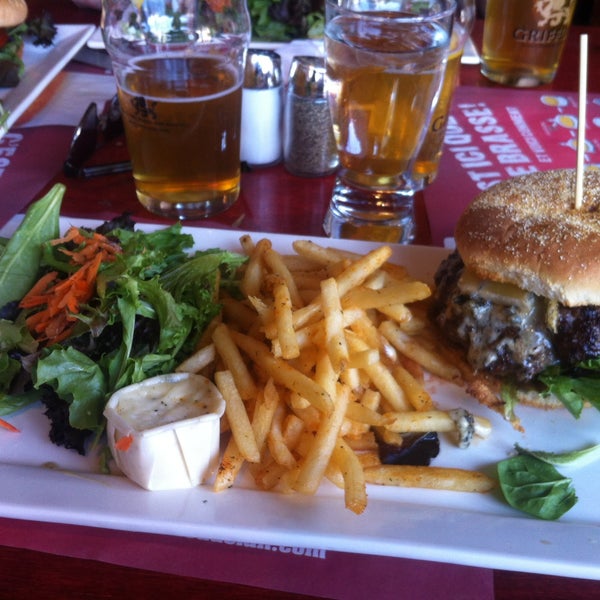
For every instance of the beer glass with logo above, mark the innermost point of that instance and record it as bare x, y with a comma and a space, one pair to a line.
426, 166
523, 40
385, 63
179, 72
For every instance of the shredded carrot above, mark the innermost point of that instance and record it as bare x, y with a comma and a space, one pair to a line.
124, 443
8, 426
59, 300
41, 286
70, 236
88, 245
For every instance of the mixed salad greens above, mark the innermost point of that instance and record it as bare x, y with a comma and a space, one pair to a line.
95, 310
284, 20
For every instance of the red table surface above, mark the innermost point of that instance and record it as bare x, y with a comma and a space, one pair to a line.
32, 574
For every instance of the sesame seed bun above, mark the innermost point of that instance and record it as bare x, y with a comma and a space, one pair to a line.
527, 231
12, 12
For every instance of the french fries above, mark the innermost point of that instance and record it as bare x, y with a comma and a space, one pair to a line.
237, 417
324, 354
437, 478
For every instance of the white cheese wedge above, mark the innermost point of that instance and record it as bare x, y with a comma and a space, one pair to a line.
164, 432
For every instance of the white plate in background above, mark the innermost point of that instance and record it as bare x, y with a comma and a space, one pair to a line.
41, 67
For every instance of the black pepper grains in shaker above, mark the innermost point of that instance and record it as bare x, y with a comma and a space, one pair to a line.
309, 146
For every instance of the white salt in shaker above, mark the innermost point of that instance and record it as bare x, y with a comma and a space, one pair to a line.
261, 108
309, 148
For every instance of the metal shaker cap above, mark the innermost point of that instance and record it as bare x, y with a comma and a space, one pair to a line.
262, 70
307, 76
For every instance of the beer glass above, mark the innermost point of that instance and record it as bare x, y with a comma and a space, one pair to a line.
426, 166
523, 40
179, 72
385, 63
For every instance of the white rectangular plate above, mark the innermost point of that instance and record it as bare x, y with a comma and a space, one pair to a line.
43, 482
41, 67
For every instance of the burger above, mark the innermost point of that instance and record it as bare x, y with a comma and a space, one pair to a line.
12, 28
520, 296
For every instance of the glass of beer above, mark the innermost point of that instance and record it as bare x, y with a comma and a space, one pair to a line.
179, 73
385, 62
523, 40
426, 166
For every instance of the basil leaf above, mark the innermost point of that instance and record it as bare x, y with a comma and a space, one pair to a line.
19, 263
562, 458
535, 487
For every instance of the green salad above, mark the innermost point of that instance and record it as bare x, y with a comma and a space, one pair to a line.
90, 312
284, 20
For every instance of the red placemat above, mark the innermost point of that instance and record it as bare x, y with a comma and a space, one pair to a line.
300, 570
29, 158
497, 133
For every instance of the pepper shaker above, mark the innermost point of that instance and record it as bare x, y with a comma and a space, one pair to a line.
309, 147
260, 143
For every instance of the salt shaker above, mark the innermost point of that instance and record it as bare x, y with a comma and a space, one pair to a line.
309, 148
261, 108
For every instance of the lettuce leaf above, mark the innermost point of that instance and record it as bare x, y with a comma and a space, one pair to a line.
147, 255
79, 381
574, 389
20, 260
9, 368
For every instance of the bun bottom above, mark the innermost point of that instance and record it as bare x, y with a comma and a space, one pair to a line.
487, 391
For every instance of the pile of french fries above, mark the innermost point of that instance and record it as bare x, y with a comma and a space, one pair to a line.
325, 353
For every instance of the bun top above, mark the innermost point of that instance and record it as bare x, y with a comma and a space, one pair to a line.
12, 12
526, 231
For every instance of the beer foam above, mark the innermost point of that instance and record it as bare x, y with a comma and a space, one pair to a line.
220, 70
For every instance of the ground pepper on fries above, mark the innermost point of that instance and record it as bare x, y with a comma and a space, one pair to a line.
326, 351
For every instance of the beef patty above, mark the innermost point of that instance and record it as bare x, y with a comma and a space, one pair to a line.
512, 335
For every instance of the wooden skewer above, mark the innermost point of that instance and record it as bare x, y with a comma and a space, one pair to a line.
583, 60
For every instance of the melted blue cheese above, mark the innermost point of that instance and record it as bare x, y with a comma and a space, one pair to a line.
503, 320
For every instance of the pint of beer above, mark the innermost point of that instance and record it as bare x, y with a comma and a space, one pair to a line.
523, 40
385, 66
179, 78
426, 166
